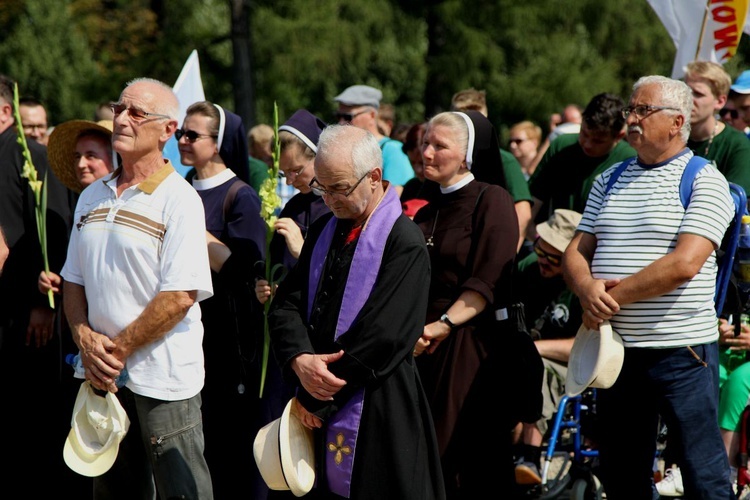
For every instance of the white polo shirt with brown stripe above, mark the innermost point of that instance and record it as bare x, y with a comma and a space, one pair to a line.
124, 251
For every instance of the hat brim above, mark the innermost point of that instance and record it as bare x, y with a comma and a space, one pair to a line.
595, 359
92, 458
284, 453
61, 149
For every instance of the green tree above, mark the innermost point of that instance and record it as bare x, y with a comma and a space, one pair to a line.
305, 56
49, 58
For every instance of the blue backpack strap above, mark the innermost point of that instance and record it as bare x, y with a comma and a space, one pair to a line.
694, 166
616, 174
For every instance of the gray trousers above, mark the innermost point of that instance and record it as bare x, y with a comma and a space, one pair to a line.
162, 451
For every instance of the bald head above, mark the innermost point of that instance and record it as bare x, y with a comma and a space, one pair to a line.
572, 114
160, 96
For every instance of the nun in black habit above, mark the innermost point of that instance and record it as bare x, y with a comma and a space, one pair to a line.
473, 351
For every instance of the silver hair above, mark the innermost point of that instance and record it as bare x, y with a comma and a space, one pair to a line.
169, 106
365, 154
675, 94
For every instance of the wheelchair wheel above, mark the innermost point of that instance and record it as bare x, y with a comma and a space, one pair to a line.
583, 489
559, 477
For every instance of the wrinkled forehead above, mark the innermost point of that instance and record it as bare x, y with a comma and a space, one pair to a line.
646, 94
141, 94
333, 168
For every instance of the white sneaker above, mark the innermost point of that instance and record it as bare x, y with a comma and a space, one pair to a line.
671, 485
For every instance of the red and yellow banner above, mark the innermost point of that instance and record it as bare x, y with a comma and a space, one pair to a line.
706, 30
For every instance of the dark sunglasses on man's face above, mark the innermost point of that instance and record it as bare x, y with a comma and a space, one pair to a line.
733, 113
347, 117
554, 260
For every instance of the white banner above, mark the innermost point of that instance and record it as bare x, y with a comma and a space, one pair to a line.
189, 90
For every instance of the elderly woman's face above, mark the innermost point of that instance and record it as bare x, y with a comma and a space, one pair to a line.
443, 157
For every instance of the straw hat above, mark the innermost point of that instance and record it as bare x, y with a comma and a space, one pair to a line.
61, 148
98, 426
560, 228
284, 453
595, 359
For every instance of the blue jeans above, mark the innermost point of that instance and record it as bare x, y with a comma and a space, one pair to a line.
162, 451
681, 385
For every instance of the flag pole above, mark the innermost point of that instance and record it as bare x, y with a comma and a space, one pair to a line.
703, 30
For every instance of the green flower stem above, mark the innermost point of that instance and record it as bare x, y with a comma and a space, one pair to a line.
38, 187
270, 202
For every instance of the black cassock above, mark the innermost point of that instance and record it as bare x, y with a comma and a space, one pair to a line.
396, 455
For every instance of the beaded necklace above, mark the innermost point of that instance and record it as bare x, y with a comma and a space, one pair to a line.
711, 140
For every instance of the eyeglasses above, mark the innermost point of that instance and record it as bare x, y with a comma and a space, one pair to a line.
347, 117
554, 260
320, 191
190, 135
643, 110
292, 173
516, 141
733, 113
134, 113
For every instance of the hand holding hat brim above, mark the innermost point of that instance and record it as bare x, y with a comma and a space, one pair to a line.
595, 359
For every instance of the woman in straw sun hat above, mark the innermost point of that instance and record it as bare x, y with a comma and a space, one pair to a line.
79, 152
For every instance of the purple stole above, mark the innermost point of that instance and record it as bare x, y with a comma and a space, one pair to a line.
342, 429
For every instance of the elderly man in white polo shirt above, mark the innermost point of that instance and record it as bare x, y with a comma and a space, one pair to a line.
137, 267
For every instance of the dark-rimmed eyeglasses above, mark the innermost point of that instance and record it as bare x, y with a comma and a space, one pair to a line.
641, 111
293, 174
190, 135
348, 117
554, 260
733, 113
516, 141
320, 190
134, 113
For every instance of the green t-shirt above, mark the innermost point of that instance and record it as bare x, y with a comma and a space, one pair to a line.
564, 176
515, 182
258, 171
730, 152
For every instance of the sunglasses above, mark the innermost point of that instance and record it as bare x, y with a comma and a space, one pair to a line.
554, 260
190, 135
733, 113
347, 117
516, 141
134, 113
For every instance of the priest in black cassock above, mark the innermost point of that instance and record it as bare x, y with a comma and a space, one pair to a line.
343, 328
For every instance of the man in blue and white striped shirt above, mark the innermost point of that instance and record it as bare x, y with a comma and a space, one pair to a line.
646, 263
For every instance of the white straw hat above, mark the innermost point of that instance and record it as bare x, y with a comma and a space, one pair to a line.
285, 455
98, 426
595, 359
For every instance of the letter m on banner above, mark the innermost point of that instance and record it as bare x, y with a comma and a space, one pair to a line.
702, 30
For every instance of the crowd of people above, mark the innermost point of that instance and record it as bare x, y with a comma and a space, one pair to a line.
423, 271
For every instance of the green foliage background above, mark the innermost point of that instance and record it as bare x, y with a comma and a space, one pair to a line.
531, 57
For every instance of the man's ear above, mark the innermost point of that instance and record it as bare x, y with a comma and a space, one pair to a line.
169, 130
376, 175
679, 121
6, 114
